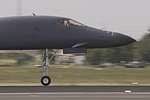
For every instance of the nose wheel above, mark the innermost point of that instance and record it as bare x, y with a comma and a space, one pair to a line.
46, 80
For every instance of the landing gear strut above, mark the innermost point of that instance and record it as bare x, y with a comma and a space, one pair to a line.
46, 80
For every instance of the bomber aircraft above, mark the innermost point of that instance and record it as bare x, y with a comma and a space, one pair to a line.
50, 32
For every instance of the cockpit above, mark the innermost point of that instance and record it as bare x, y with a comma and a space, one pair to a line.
70, 22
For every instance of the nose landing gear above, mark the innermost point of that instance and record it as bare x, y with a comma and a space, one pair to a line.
46, 80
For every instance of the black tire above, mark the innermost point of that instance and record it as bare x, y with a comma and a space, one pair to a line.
45, 80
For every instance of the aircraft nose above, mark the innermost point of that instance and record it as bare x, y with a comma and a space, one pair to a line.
120, 39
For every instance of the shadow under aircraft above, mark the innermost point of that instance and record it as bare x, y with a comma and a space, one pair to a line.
49, 32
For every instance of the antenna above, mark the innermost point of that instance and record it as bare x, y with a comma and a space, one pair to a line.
34, 14
19, 7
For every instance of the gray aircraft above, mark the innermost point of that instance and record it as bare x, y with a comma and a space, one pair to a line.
49, 32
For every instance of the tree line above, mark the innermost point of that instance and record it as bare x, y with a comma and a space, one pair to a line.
138, 51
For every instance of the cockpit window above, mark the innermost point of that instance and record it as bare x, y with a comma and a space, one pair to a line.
64, 22
72, 22
69, 22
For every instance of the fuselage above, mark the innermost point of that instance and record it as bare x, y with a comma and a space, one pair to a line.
41, 32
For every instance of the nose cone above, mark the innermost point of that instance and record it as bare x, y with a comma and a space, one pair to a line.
120, 39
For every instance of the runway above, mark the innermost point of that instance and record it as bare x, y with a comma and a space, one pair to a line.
75, 93
75, 96
40, 89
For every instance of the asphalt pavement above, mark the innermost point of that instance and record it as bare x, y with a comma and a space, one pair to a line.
30, 89
76, 96
75, 93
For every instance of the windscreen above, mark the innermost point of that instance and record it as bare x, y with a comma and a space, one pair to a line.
70, 22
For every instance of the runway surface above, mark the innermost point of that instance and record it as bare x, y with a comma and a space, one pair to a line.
30, 89
75, 93
75, 96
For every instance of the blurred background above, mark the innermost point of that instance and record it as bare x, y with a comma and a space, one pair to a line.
127, 65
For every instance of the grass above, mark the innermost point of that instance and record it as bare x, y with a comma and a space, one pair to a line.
75, 75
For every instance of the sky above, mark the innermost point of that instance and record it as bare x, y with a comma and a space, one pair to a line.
130, 17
